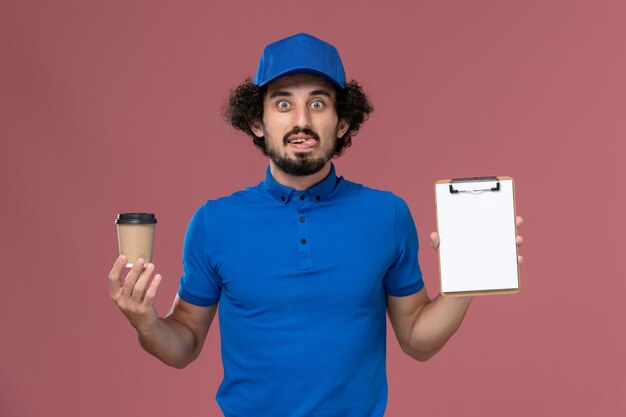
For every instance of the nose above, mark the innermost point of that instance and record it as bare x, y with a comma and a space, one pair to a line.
302, 117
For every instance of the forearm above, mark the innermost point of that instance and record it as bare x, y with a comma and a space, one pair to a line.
169, 341
436, 322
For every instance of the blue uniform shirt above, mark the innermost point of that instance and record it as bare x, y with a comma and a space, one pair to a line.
301, 278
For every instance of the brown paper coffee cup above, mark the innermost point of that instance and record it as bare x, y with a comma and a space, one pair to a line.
135, 236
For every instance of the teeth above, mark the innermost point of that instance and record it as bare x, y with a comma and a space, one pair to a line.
297, 140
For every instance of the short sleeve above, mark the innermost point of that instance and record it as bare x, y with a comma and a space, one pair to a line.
199, 284
404, 276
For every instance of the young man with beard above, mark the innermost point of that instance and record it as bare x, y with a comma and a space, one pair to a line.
303, 265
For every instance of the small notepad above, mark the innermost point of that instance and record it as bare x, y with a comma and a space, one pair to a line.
476, 226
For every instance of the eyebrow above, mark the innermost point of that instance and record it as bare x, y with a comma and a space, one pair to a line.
281, 93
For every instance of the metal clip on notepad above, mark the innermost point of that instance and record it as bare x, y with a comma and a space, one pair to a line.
474, 179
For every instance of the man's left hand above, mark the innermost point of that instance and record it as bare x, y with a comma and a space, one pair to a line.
434, 239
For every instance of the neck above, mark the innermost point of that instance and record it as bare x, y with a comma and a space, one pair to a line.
298, 183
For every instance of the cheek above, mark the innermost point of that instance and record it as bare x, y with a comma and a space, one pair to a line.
328, 128
277, 123
274, 134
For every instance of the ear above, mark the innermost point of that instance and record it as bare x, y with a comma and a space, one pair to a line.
342, 128
257, 128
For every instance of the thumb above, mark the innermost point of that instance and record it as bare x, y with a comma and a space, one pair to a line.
434, 240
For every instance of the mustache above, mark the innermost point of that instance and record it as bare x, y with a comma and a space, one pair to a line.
297, 130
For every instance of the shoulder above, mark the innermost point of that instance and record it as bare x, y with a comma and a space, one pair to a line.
233, 200
376, 196
220, 207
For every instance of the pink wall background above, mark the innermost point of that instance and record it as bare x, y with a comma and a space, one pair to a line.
114, 106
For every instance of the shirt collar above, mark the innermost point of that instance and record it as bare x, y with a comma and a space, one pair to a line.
319, 191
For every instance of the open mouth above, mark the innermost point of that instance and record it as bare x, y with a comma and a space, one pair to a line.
305, 142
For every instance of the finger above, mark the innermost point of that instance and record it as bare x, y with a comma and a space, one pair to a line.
152, 290
519, 240
140, 286
520, 259
115, 282
518, 220
131, 277
434, 240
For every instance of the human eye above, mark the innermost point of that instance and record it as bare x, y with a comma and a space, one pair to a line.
283, 104
318, 104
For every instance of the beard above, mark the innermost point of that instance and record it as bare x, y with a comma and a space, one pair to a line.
302, 164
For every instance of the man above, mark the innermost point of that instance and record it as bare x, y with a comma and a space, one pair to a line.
303, 265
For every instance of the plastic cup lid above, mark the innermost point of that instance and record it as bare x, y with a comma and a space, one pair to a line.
135, 218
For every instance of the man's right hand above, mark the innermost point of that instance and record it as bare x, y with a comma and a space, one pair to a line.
134, 297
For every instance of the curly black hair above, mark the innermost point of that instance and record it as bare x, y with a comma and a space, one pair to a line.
245, 106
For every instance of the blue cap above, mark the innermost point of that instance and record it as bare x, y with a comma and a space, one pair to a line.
300, 53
